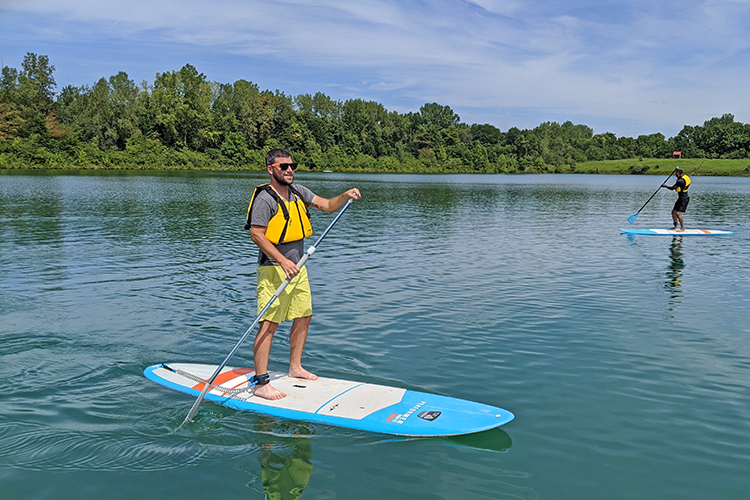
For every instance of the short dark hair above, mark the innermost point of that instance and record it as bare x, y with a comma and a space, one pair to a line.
276, 153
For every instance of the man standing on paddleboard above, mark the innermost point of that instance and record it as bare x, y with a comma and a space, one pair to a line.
279, 222
681, 186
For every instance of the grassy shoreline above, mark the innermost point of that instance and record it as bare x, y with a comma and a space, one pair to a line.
633, 166
657, 166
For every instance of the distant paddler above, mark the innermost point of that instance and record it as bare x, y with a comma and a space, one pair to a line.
279, 222
681, 186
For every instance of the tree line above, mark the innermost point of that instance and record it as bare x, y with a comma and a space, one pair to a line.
183, 120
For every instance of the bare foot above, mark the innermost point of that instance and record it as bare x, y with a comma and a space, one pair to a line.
268, 392
681, 230
302, 373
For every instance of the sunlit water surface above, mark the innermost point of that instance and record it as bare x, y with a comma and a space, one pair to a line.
625, 359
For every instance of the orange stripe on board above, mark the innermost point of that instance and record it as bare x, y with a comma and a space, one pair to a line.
705, 231
223, 377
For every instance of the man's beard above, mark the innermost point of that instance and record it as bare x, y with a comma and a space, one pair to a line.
279, 176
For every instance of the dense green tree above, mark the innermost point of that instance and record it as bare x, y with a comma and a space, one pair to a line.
185, 121
107, 114
272, 114
725, 119
181, 101
235, 109
364, 121
396, 134
36, 84
480, 161
487, 134
438, 116
9, 86
652, 146
322, 116
11, 123
28, 95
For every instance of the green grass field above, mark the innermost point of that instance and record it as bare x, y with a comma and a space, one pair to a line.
655, 166
198, 161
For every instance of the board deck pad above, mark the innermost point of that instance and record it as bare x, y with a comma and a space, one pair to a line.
672, 232
342, 403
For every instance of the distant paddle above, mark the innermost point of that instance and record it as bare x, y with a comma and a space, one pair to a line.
632, 218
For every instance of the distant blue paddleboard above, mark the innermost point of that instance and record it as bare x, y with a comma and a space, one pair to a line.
672, 232
354, 405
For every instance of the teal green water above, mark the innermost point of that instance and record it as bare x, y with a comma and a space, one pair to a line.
625, 359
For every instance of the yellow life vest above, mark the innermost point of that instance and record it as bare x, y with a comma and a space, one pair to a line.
291, 222
687, 184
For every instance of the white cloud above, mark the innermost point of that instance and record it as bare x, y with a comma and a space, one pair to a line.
638, 61
501, 7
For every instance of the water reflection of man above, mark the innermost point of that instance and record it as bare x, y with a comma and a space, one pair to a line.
285, 475
676, 266
681, 186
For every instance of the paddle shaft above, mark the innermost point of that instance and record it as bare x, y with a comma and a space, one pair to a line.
652, 196
276, 295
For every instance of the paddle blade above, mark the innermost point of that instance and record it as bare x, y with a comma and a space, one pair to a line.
632, 218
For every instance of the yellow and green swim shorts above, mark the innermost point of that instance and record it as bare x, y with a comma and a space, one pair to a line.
294, 302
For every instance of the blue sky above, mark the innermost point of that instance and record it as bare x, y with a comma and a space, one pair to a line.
627, 67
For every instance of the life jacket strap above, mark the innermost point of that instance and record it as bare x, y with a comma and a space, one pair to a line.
267, 188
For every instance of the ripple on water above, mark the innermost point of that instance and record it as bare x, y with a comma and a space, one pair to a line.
624, 359
38, 446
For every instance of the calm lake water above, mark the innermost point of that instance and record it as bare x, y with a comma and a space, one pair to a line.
626, 360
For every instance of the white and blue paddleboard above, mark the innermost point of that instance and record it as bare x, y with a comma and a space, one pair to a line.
354, 405
672, 232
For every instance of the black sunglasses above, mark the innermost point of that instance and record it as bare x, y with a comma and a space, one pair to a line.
284, 166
